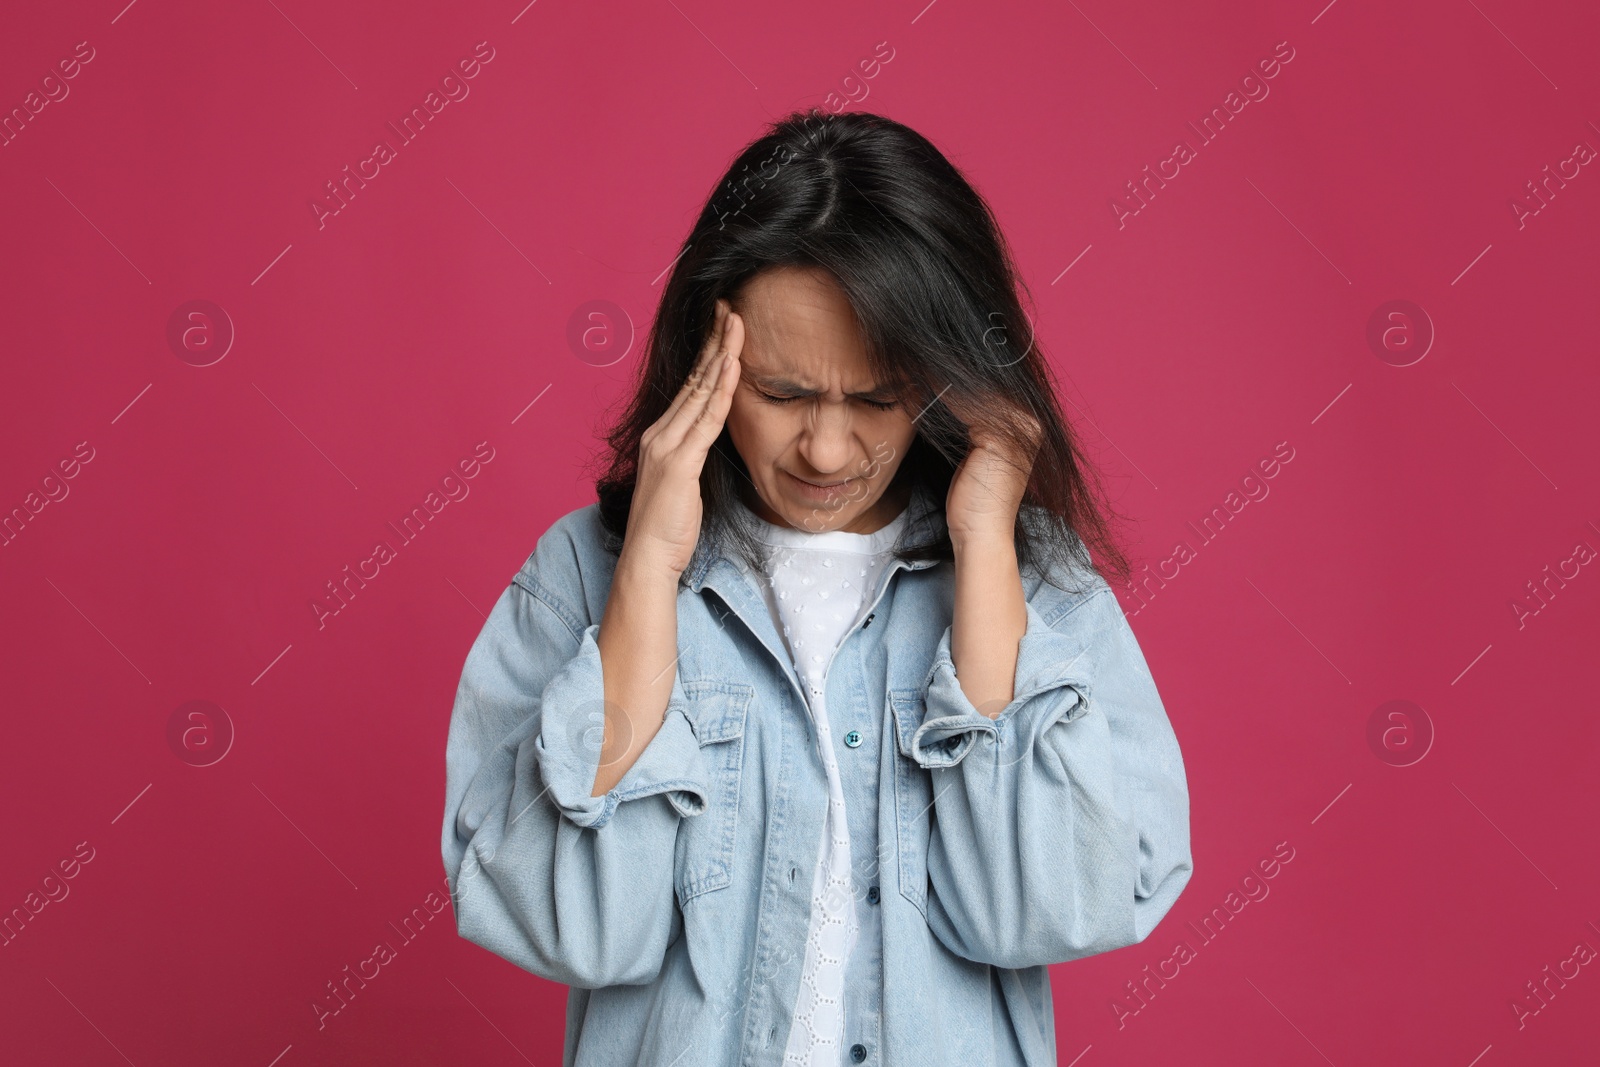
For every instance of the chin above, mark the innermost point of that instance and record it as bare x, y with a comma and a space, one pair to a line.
818, 520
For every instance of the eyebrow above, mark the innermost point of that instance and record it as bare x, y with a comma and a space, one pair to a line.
779, 384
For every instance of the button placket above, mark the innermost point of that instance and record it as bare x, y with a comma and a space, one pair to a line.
818, 601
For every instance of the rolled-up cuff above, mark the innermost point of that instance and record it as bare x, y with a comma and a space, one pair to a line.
571, 732
1051, 684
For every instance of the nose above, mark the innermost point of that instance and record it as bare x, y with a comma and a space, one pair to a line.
825, 441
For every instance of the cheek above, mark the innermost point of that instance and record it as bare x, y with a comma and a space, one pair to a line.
890, 441
741, 415
753, 431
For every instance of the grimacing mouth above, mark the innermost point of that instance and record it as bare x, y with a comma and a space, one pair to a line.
820, 485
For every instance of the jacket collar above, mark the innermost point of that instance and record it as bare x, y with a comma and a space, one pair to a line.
714, 563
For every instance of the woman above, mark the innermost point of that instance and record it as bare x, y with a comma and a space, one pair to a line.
819, 736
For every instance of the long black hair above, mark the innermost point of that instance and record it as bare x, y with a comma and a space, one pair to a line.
931, 280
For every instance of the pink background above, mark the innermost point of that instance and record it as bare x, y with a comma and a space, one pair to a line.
373, 354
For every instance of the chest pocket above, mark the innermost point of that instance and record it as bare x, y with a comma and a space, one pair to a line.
717, 711
913, 799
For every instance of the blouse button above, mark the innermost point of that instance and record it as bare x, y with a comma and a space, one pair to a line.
853, 738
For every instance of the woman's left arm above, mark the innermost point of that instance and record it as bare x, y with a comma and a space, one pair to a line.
1061, 821
1061, 808
990, 618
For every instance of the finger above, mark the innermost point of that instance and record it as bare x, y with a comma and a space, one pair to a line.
720, 400
704, 365
715, 412
697, 394
687, 414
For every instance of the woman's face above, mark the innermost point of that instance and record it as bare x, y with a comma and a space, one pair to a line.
823, 459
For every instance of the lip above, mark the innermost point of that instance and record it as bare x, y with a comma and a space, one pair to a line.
815, 491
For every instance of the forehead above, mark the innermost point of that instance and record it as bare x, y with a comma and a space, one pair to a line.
800, 326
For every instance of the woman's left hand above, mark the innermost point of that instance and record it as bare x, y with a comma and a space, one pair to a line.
988, 486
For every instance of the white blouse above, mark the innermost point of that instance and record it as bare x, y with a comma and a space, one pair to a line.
818, 585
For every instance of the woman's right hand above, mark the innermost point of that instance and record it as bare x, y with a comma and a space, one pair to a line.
664, 519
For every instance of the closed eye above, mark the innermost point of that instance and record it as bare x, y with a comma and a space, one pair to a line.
881, 405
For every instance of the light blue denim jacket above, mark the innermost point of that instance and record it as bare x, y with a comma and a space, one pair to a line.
676, 905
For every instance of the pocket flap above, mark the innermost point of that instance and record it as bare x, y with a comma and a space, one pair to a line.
716, 709
909, 711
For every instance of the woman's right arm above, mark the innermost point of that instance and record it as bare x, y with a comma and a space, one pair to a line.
572, 887
638, 641
569, 883
639, 634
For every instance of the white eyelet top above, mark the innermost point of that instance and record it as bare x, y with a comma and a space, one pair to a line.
818, 586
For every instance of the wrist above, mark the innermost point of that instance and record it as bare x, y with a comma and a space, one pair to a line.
987, 544
643, 567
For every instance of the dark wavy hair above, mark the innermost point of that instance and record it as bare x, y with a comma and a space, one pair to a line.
923, 263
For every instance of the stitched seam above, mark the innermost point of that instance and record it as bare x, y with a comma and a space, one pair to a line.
1073, 605
544, 595
725, 790
686, 785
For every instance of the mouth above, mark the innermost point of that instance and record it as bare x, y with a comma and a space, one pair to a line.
817, 488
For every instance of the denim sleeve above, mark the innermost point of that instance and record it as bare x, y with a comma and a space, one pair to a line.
1061, 827
574, 888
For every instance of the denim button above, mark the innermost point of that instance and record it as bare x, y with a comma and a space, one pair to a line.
858, 1052
872, 895
853, 738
